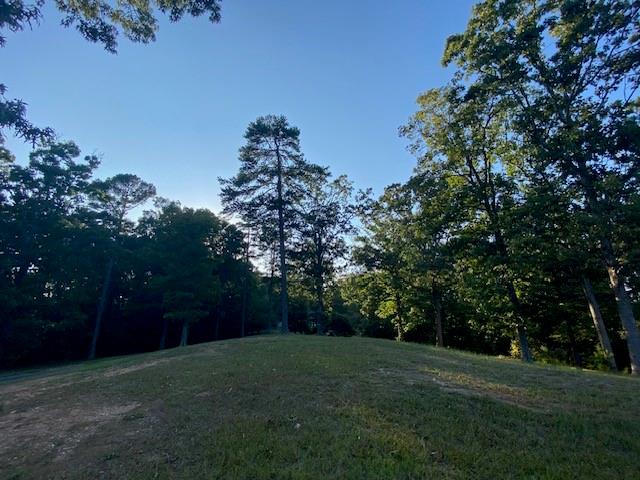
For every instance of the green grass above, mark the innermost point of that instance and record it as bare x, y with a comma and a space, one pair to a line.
301, 407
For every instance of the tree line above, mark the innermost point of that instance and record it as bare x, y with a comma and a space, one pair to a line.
517, 233
80, 278
523, 211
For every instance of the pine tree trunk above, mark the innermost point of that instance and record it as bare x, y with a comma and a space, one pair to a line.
437, 306
284, 307
598, 322
102, 305
243, 309
270, 285
245, 285
318, 273
184, 338
165, 331
284, 313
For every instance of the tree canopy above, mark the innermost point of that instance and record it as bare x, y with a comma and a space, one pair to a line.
103, 21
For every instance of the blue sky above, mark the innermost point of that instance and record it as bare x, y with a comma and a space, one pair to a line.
173, 112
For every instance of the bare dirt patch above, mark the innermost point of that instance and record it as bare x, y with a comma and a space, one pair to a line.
55, 432
12, 395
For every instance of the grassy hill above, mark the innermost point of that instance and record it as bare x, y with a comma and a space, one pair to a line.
303, 407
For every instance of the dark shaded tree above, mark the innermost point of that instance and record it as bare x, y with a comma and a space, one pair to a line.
45, 233
113, 199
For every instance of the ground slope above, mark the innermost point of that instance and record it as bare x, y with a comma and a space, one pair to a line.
307, 407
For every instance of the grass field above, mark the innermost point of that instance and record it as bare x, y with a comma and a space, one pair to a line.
301, 407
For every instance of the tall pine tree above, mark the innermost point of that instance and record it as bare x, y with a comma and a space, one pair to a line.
268, 185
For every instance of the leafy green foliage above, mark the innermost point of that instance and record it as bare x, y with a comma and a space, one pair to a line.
527, 178
102, 21
326, 212
568, 75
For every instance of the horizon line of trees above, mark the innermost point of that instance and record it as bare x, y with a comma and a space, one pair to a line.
79, 278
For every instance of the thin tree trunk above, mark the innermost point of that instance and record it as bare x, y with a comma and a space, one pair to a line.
521, 330
598, 322
102, 305
245, 287
437, 307
399, 336
272, 274
284, 313
625, 310
321, 315
489, 204
243, 308
319, 282
400, 314
307, 316
284, 307
165, 331
184, 338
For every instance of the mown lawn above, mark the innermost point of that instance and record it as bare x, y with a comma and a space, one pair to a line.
302, 407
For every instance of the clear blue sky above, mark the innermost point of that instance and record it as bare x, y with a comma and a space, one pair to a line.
345, 72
